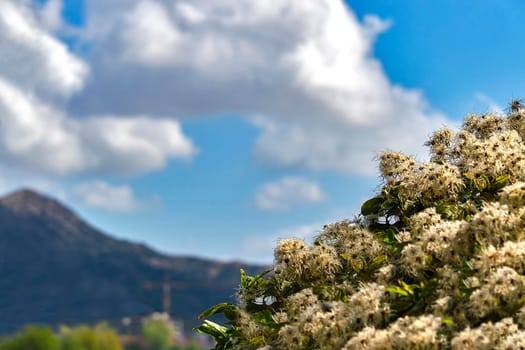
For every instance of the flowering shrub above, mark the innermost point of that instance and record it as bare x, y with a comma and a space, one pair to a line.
435, 261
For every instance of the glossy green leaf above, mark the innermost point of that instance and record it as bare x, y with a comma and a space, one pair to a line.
377, 262
388, 236
218, 332
408, 288
447, 321
265, 318
257, 340
372, 206
500, 182
229, 310
397, 290
248, 282
469, 176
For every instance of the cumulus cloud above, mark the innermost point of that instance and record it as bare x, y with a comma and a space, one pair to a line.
32, 57
287, 193
51, 15
304, 72
134, 144
100, 194
321, 145
37, 136
37, 75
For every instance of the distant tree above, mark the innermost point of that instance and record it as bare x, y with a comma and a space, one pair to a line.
32, 338
100, 337
158, 331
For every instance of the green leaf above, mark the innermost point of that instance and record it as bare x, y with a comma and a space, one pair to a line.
428, 287
397, 290
265, 318
245, 279
500, 182
447, 211
216, 331
377, 262
408, 288
390, 205
447, 321
484, 182
229, 310
388, 236
257, 340
248, 282
372, 206
469, 176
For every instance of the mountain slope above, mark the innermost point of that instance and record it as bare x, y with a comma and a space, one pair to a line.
55, 268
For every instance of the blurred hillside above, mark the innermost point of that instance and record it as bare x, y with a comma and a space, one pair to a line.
56, 268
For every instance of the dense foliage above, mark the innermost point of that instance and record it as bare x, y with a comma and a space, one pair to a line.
100, 337
157, 334
435, 261
34, 338
158, 331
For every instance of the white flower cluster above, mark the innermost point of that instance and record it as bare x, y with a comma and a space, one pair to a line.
405, 333
296, 261
437, 261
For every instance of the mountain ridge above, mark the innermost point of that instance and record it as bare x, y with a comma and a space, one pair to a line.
57, 267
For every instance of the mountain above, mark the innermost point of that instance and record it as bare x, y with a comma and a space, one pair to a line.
56, 268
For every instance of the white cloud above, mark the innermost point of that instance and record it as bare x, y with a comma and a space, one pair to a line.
134, 144
151, 37
287, 193
51, 15
38, 74
323, 145
374, 25
100, 194
303, 70
37, 136
189, 12
189, 35
32, 57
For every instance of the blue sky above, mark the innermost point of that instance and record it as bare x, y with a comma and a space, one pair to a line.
216, 128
